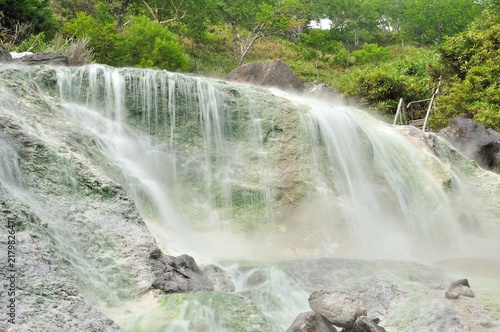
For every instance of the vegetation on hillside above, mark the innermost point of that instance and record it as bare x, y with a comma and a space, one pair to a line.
375, 51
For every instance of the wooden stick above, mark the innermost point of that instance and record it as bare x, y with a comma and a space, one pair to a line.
430, 106
39, 255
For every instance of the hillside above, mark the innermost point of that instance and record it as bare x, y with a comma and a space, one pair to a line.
374, 52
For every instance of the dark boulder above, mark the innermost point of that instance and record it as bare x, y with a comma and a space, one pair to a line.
177, 274
270, 73
474, 141
43, 59
311, 322
365, 324
5, 55
457, 288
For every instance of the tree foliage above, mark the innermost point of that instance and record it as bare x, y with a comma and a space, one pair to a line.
147, 43
471, 63
142, 42
367, 45
102, 36
371, 53
428, 22
38, 14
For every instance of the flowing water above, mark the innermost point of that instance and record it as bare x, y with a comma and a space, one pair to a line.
228, 173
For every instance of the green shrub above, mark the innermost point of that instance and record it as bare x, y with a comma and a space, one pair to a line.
102, 36
35, 43
409, 75
381, 89
371, 53
471, 63
147, 43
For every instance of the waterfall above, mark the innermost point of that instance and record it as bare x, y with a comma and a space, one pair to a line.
213, 151
224, 172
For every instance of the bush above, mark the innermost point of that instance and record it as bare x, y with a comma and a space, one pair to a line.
147, 43
371, 53
472, 66
102, 36
409, 75
382, 90
35, 43
38, 14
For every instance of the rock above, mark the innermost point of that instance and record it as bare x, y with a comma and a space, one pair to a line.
5, 55
457, 288
451, 295
43, 59
320, 89
177, 274
187, 262
461, 282
474, 141
270, 73
339, 308
255, 278
219, 278
465, 291
436, 286
311, 322
365, 324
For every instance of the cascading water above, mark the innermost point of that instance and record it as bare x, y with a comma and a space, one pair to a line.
210, 152
227, 172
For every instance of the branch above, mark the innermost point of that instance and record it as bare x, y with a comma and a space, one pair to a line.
39, 254
150, 10
154, 13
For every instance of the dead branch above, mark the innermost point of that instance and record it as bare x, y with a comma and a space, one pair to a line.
39, 251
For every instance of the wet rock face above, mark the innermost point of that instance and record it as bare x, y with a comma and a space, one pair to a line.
270, 73
475, 142
79, 238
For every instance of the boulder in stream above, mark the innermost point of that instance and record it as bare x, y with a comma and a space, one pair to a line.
457, 288
311, 322
365, 324
177, 274
219, 278
340, 308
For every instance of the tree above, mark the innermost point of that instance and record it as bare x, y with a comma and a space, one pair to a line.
253, 19
471, 62
68, 9
429, 21
354, 22
146, 43
38, 14
242, 16
190, 16
103, 36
